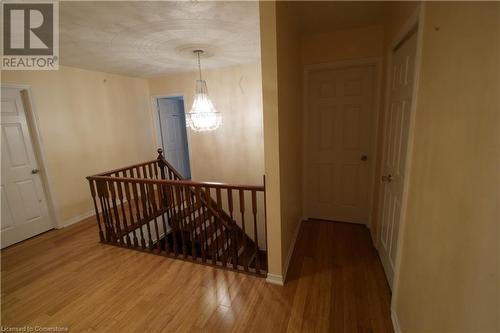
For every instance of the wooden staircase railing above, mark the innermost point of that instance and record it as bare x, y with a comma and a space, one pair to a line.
150, 207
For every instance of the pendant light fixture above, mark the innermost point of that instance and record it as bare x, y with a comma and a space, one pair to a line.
203, 116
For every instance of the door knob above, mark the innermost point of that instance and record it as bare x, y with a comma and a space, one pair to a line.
364, 158
35, 171
387, 179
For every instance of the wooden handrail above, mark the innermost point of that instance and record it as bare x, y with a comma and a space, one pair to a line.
124, 168
259, 188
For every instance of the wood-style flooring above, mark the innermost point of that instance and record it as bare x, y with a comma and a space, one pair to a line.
66, 278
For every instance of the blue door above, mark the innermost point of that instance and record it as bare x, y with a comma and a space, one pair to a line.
173, 132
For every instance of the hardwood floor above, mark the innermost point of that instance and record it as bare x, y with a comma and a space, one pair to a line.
66, 278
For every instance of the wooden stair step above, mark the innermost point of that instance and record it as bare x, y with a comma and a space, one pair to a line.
185, 211
209, 231
204, 226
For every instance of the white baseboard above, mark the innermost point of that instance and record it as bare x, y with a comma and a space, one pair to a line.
275, 279
290, 250
395, 322
76, 219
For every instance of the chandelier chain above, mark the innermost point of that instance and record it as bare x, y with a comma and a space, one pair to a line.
199, 63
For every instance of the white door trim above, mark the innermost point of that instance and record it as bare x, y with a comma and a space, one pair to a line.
377, 62
38, 147
415, 20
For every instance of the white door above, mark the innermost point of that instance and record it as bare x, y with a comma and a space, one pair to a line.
338, 143
24, 205
173, 133
397, 123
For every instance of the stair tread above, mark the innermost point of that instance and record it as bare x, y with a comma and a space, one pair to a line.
192, 219
183, 212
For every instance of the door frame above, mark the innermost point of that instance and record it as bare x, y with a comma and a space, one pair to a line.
415, 21
33, 122
377, 63
156, 121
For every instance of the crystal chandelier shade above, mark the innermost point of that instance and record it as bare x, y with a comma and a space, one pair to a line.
203, 116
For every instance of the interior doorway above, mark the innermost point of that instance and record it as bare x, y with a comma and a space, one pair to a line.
340, 134
172, 133
25, 206
397, 128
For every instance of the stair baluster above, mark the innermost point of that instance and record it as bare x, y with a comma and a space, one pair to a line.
150, 207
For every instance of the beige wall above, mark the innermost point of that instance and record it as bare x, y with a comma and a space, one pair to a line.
235, 152
290, 125
399, 13
281, 67
329, 47
449, 279
267, 10
89, 122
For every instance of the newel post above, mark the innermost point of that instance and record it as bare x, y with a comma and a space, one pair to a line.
160, 155
163, 175
161, 163
93, 193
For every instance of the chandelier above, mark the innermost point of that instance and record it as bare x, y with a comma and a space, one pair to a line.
203, 116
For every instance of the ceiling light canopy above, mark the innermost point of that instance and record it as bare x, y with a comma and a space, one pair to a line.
203, 116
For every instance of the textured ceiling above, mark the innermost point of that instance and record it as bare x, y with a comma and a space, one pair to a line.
150, 38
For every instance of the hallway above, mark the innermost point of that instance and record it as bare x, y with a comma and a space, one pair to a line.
66, 278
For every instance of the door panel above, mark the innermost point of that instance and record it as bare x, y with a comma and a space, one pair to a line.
15, 145
24, 205
351, 132
27, 192
325, 187
7, 220
349, 187
338, 133
396, 145
173, 133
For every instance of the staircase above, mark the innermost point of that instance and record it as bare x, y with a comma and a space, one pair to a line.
150, 207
